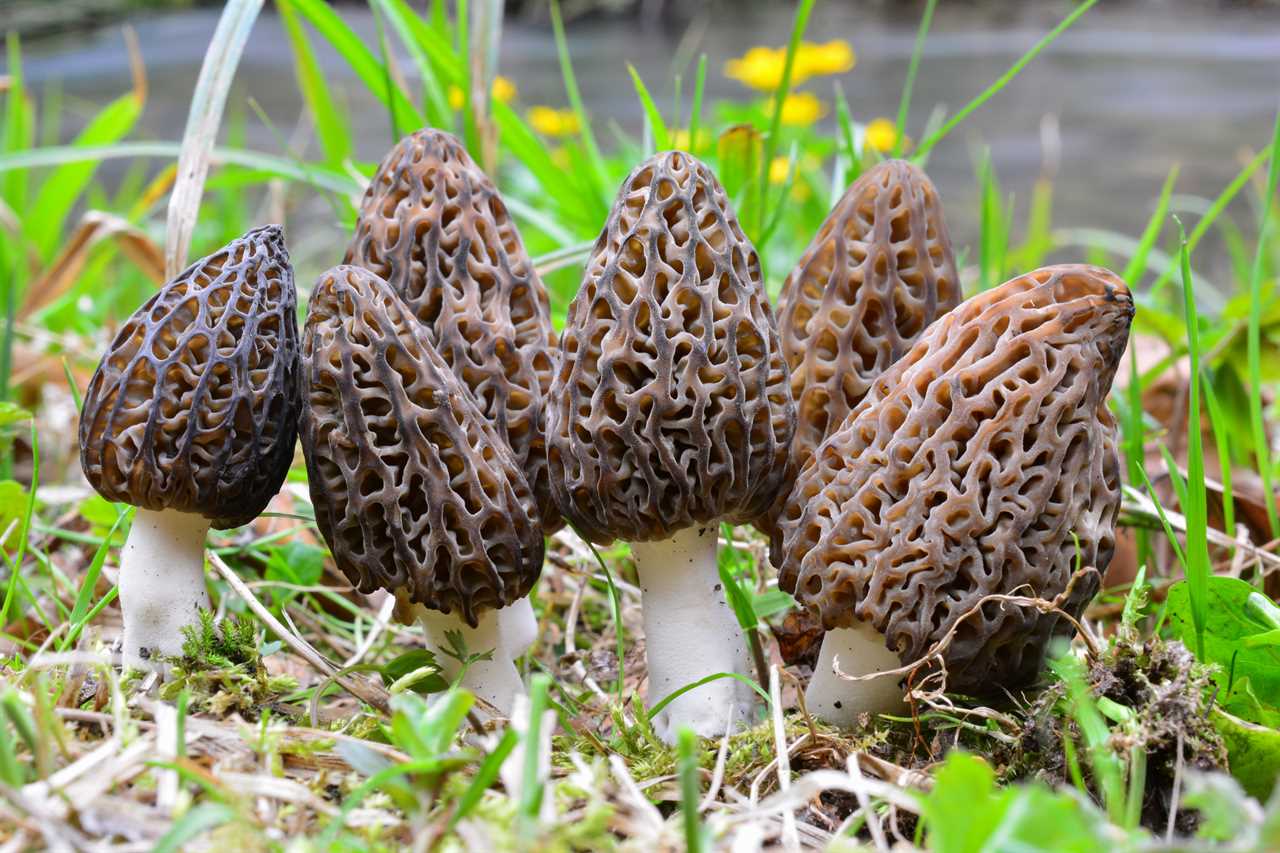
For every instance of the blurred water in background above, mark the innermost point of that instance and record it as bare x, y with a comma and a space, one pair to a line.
1132, 89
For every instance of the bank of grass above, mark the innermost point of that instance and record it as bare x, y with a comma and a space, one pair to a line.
299, 721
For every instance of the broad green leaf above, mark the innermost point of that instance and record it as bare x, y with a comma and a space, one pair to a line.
60, 191
1253, 752
13, 508
398, 667
967, 813
12, 413
1229, 621
296, 563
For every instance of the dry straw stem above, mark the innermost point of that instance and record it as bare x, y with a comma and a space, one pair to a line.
207, 103
95, 227
1136, 503
356, 686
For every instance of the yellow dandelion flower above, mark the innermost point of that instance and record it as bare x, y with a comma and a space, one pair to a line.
760, 68
801, 109
680, 141
834, 57
779, 168
882, 134
503, 90
550, 121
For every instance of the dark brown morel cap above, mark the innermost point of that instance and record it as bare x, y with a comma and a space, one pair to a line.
434, 227
194, 406
879, 271
670, 406
983, 462
414, 492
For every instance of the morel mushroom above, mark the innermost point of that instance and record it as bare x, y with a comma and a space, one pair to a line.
670, 412
879, 271
191, 416
414, 492
434, 227
983, 462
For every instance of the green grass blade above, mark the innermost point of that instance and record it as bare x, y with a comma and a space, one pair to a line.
594, 161
19, 126
677, 693
1212, 213
199, 820
687, 770
695, 109
61, 190
1255, 336
1134, 427
658, 127
1198, 565
269, 165
847, 136
372, 72
485, 776
429, 49
904, 104
798, 25
1222, 442
1138, 263
533, 788
330, 120
1004, 79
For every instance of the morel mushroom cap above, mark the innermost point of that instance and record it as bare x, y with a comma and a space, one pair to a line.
194, 407
879, 271
670, 407
983, 462
434, 227
413, 490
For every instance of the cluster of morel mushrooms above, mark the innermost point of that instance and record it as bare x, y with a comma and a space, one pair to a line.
912, 458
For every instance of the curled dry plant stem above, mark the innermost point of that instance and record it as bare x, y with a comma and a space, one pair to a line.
936, 652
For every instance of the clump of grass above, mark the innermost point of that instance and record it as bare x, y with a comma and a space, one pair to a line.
221, 669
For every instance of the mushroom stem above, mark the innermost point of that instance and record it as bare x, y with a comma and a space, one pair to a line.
161, 583
519, 626
691, 632
496, 681
861, 650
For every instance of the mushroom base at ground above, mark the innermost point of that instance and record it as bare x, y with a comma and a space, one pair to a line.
691, 633
496, 681
162, 586
859, 650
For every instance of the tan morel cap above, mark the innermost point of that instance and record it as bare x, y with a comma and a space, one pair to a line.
984, 461
194, 406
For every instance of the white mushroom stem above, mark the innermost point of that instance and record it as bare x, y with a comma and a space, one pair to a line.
496, 681
690, 633
161, 583
519, 626
858, 651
